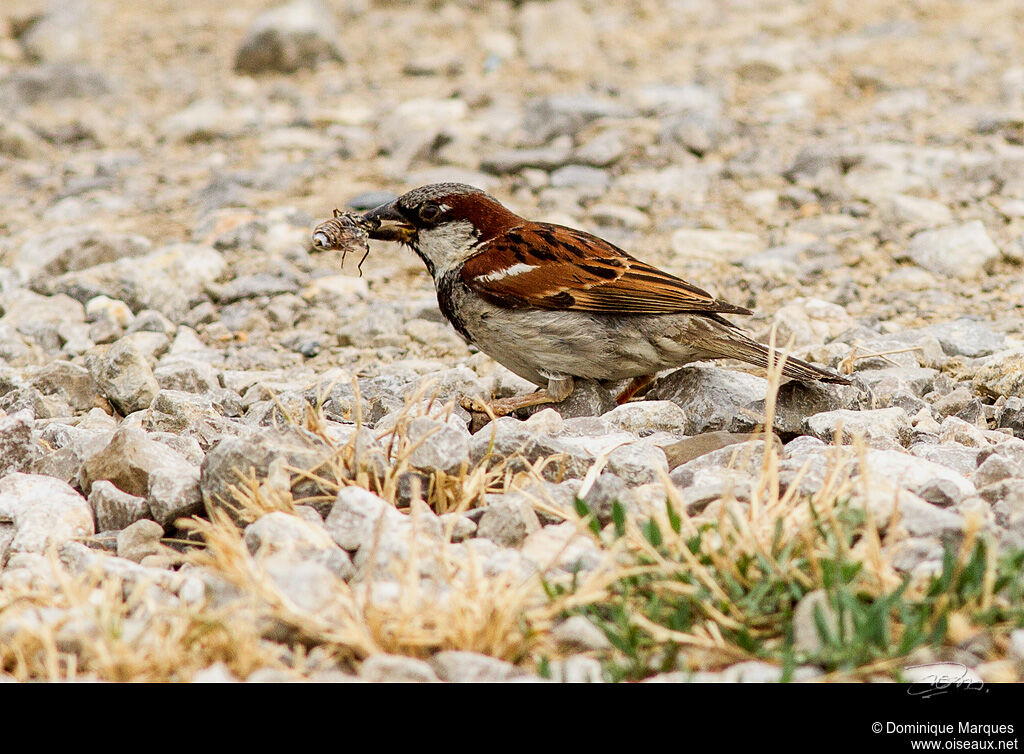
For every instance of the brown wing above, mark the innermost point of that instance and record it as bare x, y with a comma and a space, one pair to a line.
553, 267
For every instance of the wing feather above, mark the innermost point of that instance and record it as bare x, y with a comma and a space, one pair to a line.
554, 267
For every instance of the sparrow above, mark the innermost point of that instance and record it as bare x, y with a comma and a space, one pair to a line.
554, 304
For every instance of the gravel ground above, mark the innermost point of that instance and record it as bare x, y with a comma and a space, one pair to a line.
169, 345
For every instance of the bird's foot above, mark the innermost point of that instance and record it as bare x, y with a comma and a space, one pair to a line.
504, 406
635, 386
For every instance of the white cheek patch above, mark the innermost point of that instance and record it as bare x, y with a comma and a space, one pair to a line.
448, 244
516, 269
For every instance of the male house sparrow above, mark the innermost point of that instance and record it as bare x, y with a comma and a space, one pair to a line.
552, 303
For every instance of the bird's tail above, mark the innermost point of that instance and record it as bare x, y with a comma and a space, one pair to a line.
731, 343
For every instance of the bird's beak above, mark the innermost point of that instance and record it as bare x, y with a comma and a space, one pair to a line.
386, 223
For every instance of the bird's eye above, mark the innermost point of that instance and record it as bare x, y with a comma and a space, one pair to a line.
429, 212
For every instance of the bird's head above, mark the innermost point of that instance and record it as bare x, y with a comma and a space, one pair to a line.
444, 223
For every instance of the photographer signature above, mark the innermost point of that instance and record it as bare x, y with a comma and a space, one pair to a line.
946, 677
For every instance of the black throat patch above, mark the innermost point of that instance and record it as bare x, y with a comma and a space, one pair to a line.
449, 288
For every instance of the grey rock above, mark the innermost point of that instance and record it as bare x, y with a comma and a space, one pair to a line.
507, 520
218, 672
124, 376
915, 474
577, 669
996, 468
960, 251
887, 383
278, 532
713, 398
560, 549
368, 200
754, 671
77, 248
702, 243
44, 511
447, 385
690, 448
410, 548
602, 150
508, 440
907, 348
72, 446
951, 455
961, 403
796, 401
470, 667
254, 286
149, 320
813, 160
358, 515
913, 212
187, 446
566, 115
458, 527
140, 540
618, 215
19, 141
175, 411
289, 37
967, 337
1009, 492
62, 33
171, 280
174, 493
1001, 374
114, 509
921, 519
383, 668
606, 490
438, 446
555, 155
941, 492
307, 575
284, 537
141, 466
912, 552
638, 463
699, 132
265, 457
956, 430
644, 418
186, 374
579, 633
812, 607
70, 382
1016, 651
880, 428
585, 179
162, 585
713, 474
38, 319
104, 331
51, 81
589, 398
1011, 416
18, 449
128, 460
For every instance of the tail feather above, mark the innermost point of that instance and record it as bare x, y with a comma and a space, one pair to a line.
733, 344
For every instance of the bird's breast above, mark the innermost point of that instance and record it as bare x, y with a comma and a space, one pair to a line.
451, 294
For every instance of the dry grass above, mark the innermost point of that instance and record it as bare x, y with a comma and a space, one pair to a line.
677, 591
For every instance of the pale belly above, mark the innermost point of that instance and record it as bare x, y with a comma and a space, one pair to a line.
538, 344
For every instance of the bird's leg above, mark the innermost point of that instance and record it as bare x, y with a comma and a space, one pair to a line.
558, 389
635, 386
